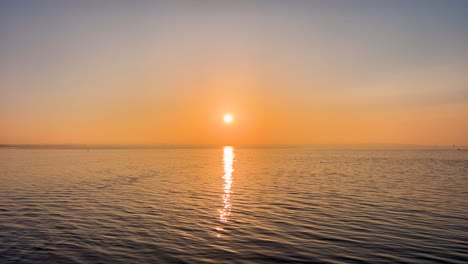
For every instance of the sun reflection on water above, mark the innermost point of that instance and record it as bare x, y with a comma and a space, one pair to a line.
228, 160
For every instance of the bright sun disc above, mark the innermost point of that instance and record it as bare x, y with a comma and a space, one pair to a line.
227, 118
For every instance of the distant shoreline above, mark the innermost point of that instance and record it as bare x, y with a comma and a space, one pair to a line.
343, 146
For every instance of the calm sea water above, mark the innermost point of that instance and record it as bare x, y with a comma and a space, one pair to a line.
233, 205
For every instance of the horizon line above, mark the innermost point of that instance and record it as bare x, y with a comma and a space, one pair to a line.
161, 146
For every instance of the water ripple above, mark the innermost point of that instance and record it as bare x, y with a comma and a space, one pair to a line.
233, 205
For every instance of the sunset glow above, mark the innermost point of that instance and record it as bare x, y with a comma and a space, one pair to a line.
248, 131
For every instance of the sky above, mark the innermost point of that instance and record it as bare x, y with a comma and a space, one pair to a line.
289, 72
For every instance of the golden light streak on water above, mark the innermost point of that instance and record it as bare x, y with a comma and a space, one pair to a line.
228, 160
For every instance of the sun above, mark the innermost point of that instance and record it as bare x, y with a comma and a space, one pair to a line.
228, 118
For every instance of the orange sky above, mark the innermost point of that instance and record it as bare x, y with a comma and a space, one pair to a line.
308, 74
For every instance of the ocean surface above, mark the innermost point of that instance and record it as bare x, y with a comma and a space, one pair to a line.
233, 205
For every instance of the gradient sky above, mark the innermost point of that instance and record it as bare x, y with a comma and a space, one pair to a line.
290, 72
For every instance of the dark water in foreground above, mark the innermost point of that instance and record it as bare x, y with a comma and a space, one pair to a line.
233, 206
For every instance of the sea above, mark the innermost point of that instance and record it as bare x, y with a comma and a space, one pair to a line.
233, 205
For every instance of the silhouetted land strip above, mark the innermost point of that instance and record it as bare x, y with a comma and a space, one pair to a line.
181, 146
